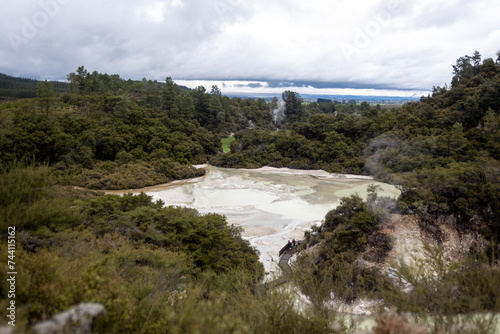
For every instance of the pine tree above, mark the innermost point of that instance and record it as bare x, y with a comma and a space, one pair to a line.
45, 93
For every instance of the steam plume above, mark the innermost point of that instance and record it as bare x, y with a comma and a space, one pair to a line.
279, 113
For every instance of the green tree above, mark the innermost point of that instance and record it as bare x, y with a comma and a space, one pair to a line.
186, 107
81, 79
491, 122
169, 93
71, 78
476, 58
457, 142
214, 108
293, 107
45, 93
462, 70
216, 91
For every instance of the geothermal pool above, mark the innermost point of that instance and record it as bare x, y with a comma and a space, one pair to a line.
272, 205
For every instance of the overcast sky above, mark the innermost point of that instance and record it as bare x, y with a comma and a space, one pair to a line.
347, 43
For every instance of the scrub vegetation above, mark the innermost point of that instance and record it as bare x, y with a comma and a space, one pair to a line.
160, 269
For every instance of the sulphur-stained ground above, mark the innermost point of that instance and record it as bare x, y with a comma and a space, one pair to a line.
409, 236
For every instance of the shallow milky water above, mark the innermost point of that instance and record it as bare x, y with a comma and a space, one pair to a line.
272, 205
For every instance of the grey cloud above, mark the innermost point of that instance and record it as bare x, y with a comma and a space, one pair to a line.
237, 39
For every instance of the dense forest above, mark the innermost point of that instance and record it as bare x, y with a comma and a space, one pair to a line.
15, 88
108, 133
160, 269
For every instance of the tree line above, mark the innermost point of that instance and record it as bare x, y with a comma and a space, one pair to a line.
110, 133
16, 88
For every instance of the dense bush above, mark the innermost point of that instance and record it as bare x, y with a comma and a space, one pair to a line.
332, 268
468, 192
257, 148
134, 175
129, 253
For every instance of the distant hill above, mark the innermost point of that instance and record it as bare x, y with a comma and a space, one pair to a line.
12, 87
340, 98
18, 88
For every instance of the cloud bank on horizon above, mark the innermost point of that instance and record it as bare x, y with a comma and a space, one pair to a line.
384, 44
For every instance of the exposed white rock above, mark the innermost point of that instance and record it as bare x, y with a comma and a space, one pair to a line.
77, 320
